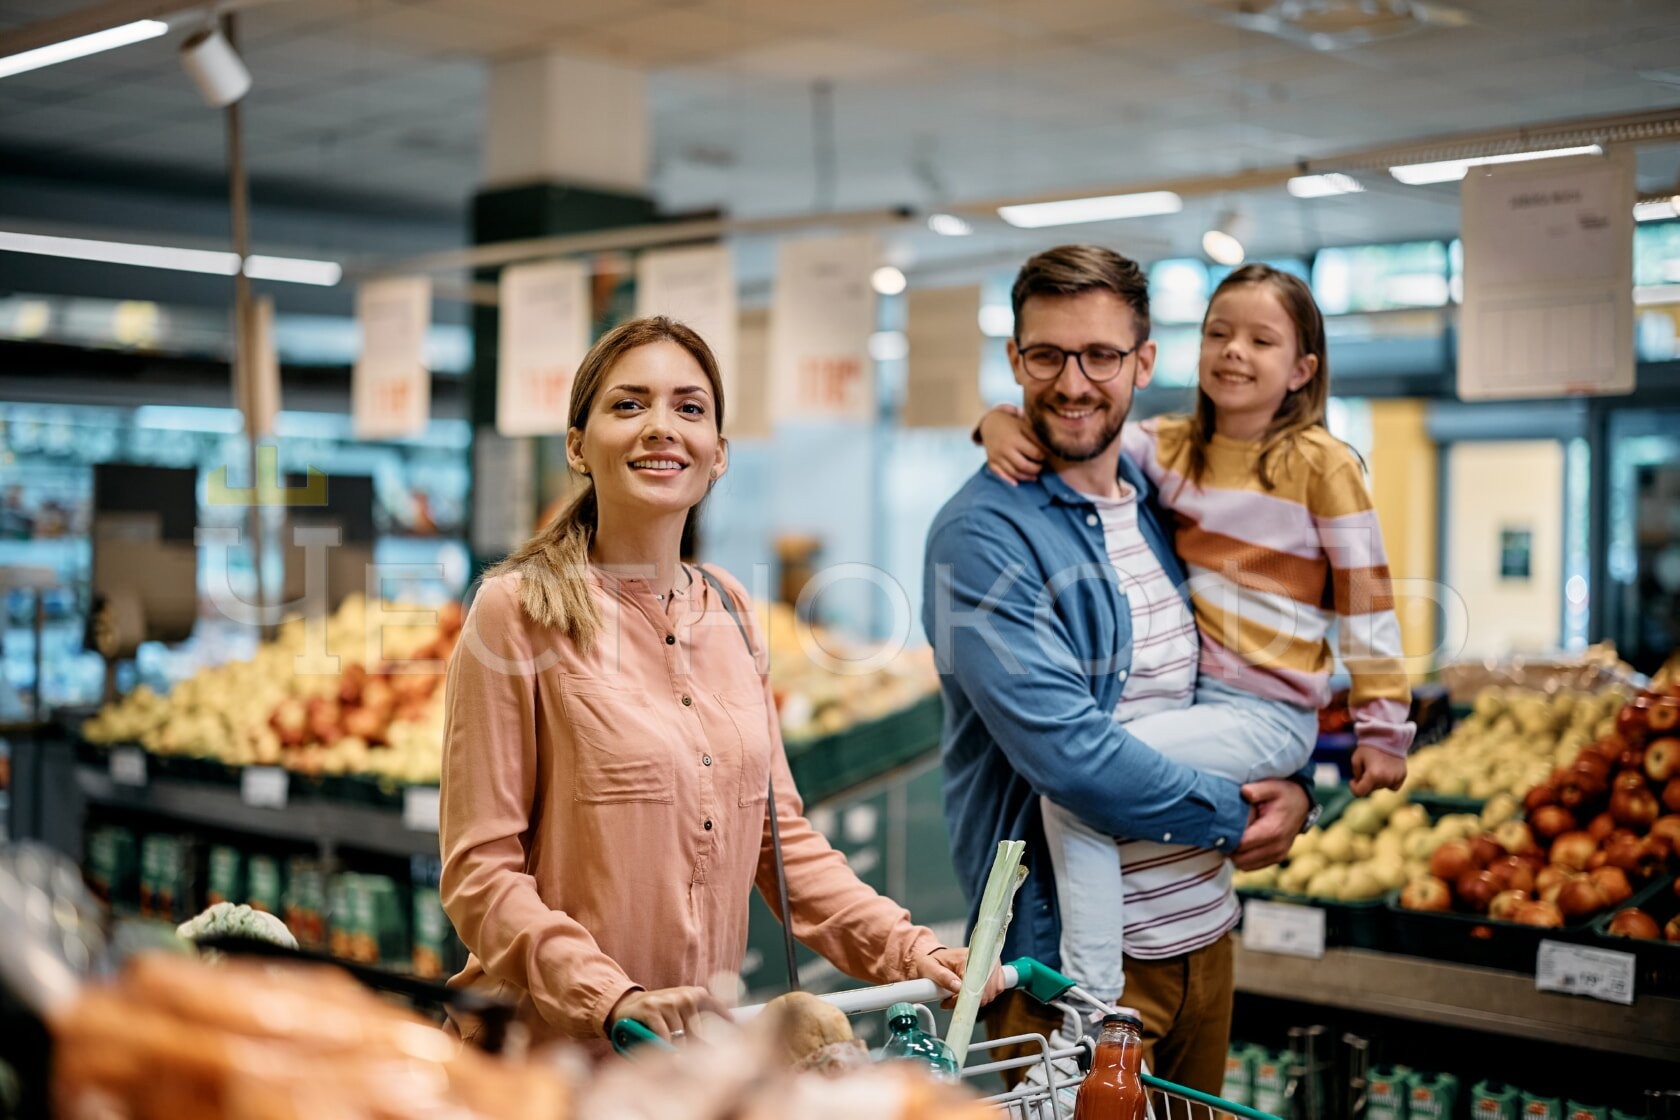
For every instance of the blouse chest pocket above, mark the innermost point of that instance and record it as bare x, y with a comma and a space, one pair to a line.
619, 755
746, 711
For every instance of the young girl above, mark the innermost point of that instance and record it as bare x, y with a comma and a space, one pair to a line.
1281, 544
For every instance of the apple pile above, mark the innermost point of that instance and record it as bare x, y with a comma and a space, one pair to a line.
1510, 741
1597, 830
1634, 922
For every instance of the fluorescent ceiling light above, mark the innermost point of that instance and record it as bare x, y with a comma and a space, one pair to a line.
137, 32
949, 225
1656, 211
996, 320
888, 280
291, 270
1452, 170
1323, 186
1107, 208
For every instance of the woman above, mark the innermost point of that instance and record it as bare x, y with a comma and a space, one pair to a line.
610, 739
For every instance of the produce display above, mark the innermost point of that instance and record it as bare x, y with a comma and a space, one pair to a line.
1598, 829
377, 710
1374, 846
825, 683
1512, 739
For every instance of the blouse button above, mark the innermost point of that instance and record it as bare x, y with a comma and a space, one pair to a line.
670, 639
708, 826
706, 759
688, 701
1090, 519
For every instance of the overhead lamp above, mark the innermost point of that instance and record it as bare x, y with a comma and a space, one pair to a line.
215, 67
1452, 170
889, 346
997, 320
81, 46
888, 280
1324, 186
1104, 208
213, 262
1223, 243
949, 225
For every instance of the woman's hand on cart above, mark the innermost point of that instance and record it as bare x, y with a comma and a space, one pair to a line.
667, 1012
946, 968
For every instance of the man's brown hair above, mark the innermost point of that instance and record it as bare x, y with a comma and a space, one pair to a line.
1068, 270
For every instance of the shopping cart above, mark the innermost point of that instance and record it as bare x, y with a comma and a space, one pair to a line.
1053, 1065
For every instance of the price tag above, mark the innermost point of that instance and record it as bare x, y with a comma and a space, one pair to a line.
1576, 970
1280, 927
264, 787
420, 808
128, 766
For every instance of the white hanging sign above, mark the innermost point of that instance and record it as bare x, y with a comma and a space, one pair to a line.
544, 335
942, 386
822, 314
1548, 279
391, 389
695, 286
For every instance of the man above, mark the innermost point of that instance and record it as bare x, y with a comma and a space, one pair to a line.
1037, 645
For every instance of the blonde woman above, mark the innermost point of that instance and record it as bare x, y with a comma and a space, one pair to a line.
611, 738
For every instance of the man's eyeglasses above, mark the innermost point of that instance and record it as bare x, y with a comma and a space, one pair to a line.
1045, 361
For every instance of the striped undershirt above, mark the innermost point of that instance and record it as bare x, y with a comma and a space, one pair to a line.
1177, 899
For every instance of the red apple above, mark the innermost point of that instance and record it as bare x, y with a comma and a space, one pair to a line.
1550, 877
1629, 778
1485, 850
1476, 889
1426, 893
1612, 883
1664, 715
450, 617
1630, 723
1667, 828
1671, 795
1551, 821
1584, 783
1581, 898
1601, 826
1635, 808
290, 722
1537, 914
1546, 793
1634, 923
1514, 873
1630, 759
1505, 903
367, 724
1662, 759
1573, 850
1671, 932
1452, 860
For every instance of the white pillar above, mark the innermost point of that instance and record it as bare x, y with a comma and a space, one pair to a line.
558, 119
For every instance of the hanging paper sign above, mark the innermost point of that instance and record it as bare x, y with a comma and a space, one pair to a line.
749, 407
391, 390
544, 335
822, 314
695, 286
1548, 279
942, 387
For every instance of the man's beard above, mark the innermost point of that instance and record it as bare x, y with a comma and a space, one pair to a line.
1079, 452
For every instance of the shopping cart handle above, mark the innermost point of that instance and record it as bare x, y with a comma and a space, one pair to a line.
628, 1034
1038, 980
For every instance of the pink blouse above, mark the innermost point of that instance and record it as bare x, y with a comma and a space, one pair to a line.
603, 816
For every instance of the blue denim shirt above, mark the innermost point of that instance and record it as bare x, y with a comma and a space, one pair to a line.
1033, 638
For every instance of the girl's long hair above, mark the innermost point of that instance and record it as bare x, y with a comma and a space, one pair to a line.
1302, 408
553, 564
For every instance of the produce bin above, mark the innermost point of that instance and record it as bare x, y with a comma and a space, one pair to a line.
1656, 963
1362, 924
1477, 939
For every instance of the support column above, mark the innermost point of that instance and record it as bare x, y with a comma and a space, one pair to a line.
569, 149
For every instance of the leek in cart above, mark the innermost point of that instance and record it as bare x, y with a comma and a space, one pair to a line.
984, 947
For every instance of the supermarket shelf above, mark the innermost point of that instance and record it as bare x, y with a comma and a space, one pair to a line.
370, 828
1454, 995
